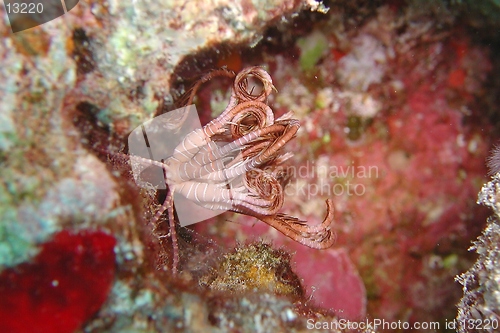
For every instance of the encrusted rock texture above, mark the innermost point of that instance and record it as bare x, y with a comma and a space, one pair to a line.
479, 309
397, 108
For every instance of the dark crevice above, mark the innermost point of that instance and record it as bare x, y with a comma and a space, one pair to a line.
95, 135
82, 52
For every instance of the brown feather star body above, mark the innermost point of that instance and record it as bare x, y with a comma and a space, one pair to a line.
241, 147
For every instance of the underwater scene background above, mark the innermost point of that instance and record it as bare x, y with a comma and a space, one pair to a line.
398, 106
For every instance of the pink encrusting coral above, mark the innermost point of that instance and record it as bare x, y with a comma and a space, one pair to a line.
388, 134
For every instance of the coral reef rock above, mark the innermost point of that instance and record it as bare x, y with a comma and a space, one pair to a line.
479, 309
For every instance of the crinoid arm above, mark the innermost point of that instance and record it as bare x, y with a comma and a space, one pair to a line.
318, 236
